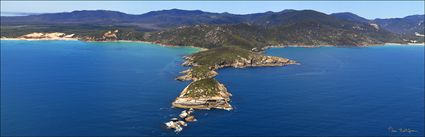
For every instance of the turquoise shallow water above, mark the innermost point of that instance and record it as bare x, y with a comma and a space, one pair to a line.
78, 88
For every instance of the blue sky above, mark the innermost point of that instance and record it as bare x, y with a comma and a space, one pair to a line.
367, 9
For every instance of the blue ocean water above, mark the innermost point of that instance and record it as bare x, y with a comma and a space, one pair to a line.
120, 88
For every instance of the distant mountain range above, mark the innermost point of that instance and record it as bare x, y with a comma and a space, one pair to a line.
187, 27
6, 13
152, 20
177, 17
406, 25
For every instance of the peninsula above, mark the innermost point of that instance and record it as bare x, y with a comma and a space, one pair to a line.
205, 92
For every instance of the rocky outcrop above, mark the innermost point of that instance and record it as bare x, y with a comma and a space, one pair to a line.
189, 61
190, 119
197, 73
177, 124
257, 61
204, 94
110, 35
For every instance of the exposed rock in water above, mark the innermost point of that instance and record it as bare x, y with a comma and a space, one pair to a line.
182, 123
184, 114
190, 119
175, 124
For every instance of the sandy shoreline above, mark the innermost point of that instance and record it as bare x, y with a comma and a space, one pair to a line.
38, 39
129, 41
204, 49
408, 44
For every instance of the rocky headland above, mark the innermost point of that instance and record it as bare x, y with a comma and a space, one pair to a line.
205, 92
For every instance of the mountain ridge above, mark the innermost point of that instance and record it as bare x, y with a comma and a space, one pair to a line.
350, 17
406, 25
180, 17
298, 27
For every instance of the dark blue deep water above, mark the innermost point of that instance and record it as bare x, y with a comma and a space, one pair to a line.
77, 88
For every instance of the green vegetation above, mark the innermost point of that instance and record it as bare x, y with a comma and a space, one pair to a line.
222, 55
200, 72
246, 36
251, 36
206, 87
81, 31
210, 36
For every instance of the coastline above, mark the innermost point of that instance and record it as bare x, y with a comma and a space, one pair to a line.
320, 46
46, 39
204, 49
404, 45
148, 42
76, 39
